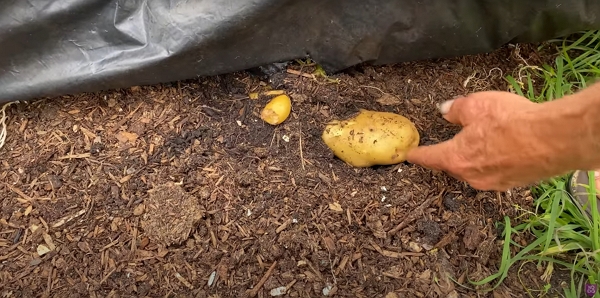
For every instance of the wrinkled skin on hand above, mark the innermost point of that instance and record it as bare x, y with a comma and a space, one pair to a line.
506, 141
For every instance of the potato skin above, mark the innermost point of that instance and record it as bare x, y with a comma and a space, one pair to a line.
371, 138
277, 110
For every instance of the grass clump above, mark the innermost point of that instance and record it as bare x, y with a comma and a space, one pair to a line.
564, 235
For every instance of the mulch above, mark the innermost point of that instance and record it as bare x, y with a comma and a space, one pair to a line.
180, 190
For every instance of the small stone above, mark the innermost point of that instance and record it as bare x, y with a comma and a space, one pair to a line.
211, 278
278, 291
414, 247
139, 210
42, 250
391, 295
327, 290
452, 294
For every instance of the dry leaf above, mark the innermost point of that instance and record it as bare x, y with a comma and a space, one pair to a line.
124, 136
388, 100
336, 207
42, 250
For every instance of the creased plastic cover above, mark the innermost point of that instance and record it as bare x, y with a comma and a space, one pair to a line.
51, 48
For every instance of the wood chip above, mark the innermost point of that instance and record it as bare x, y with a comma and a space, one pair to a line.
336, 207
49, 241
183, 280
416, 213
283, 226
342, 265
75, 156
19, 192
303, 74
139, 210
28, 210
261, 282
445, 240
68, 218
329, 243
388, 100
125, 137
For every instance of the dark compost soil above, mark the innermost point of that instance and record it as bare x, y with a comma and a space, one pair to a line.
180, 190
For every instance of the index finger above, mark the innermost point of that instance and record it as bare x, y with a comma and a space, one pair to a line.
434, 157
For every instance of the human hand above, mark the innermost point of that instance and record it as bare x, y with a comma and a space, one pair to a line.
501, 145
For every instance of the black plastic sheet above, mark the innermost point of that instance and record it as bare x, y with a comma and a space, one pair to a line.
51, 48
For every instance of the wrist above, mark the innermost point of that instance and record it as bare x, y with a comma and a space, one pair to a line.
572, 127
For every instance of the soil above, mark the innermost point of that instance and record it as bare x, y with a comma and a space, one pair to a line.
181, 190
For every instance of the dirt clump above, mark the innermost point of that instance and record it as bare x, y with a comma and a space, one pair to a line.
170, 214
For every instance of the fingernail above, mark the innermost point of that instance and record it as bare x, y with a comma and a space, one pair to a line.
445, 106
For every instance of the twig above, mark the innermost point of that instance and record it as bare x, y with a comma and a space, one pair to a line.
365, 86
49, 284
81, 155
68, 218
262, 281
302, 74
301, 155
417, 212
20, 193
107, 275
3, 119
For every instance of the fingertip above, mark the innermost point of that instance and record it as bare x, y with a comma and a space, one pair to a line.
426, 156
414, 155
445, 106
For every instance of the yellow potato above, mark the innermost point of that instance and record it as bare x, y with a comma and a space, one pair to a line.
371, 138
277, 110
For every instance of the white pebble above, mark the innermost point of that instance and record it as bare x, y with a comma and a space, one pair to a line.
278, 291
211, 278
326, 290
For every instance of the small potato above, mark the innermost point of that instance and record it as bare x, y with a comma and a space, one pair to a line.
277, 110
371, 138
